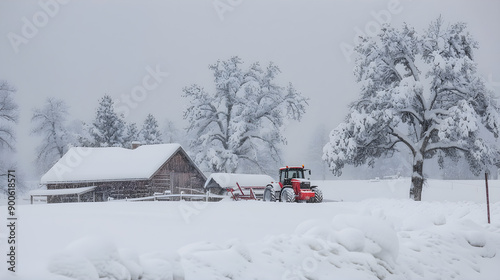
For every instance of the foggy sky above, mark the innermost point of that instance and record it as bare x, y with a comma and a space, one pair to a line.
81, 50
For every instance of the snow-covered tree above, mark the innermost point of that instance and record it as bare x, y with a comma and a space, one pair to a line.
8, 118
78, 132
8, 115
133, 134
419, 92
108, 128
239, 125
171, 134
314, 152
84, 138
49, 122
150, 132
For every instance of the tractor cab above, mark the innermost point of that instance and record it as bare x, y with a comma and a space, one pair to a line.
289, 173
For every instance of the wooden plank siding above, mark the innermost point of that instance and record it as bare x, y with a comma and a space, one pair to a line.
161, 183
103, 191
181, 175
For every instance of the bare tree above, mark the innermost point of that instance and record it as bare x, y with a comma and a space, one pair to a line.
49, 122
8, 115
8, 118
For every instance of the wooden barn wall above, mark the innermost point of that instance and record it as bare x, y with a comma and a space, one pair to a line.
182, 175
104, 190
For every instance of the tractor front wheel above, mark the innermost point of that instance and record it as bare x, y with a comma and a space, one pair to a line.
318, 196
269, 194
287, 195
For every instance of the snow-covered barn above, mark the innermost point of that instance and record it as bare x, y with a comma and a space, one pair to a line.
120, 173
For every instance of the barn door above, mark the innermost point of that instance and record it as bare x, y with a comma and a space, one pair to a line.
181, 182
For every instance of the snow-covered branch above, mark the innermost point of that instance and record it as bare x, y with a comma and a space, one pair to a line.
404, 139
446, 146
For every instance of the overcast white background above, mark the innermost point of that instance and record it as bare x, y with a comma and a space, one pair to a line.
91, 48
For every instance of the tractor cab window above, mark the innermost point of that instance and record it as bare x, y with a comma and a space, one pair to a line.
296, 173
291, 174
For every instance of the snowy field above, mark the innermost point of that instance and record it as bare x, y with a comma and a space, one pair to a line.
364, 230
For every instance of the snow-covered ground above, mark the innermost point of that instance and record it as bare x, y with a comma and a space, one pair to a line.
364, 230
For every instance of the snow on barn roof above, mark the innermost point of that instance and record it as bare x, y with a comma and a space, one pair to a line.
77, 191
229, 180
109, 163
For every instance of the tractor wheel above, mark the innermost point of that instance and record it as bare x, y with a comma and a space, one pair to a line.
287, 195
318, 195
269, 194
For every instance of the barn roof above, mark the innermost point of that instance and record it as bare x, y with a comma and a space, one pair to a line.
77, 191
110, 163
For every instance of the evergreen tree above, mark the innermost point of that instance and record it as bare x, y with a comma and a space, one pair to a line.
150, 132
133, 134
171, 134
108, 128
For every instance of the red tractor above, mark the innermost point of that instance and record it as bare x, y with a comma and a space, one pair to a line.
293, 186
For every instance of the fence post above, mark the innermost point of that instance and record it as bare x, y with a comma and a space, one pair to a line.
487, 196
